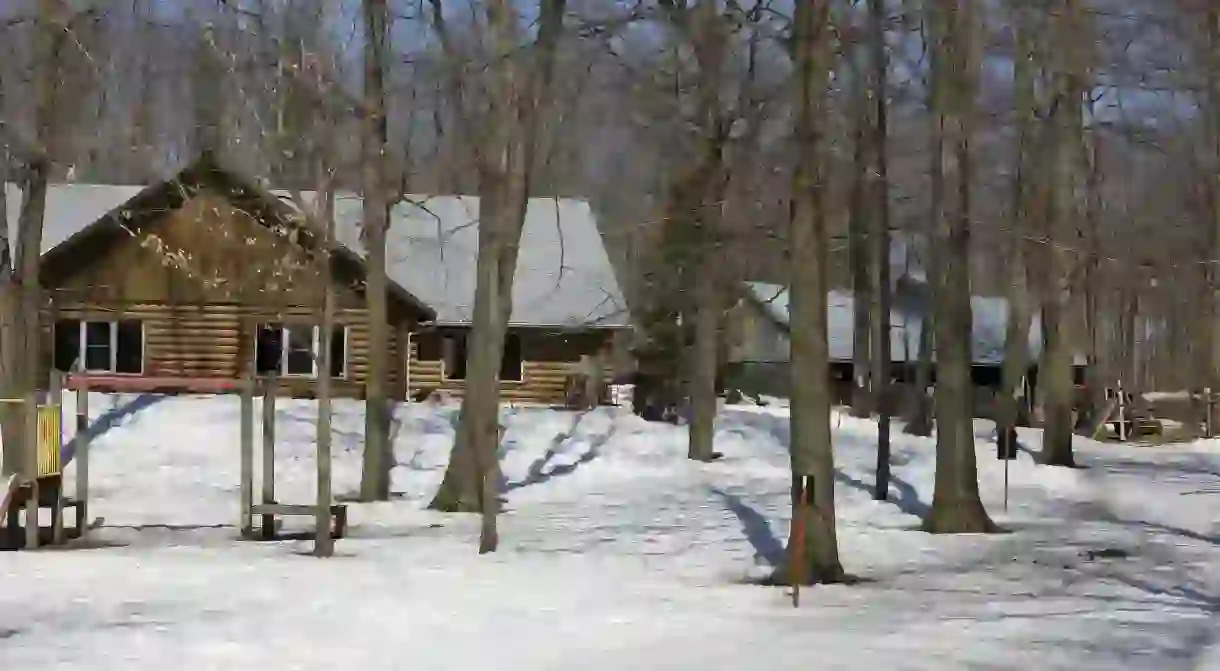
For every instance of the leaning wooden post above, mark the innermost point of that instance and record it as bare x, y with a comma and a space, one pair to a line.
268, 520
247, 455
55, 401
31, 469
82, 451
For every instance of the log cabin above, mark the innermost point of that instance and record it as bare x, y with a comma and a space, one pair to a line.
183, 285
758, 326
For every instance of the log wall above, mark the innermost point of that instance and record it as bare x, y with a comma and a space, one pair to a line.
212, 342
215, 341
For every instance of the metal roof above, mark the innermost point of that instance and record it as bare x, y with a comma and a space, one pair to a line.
990, 320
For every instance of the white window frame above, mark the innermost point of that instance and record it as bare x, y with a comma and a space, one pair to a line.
316, 350
82, 348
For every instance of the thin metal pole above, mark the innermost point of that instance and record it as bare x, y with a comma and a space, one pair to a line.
1006, 462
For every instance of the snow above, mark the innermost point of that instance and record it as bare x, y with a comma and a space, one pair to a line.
615, 551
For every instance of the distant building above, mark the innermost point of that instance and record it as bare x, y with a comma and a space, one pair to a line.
759, 327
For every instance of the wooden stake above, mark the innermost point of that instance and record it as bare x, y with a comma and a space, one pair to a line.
324, 540
246, 523
268, 521
82, 453
798, 539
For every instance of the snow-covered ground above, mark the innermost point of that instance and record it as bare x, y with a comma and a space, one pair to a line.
616, 552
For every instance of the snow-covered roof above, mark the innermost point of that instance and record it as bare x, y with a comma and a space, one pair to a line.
70, 208
564, 277
990, 320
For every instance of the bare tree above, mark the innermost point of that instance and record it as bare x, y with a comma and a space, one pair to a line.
956, 506
1212, 273
1016, 337
861, 214
880, 238
378, 456
504, 158
813, 549
1064, 156
21, 296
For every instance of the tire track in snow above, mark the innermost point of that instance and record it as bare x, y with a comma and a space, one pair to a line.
537, 472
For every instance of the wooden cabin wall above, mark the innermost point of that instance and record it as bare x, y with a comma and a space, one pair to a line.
200, 279
216, 341
548, 359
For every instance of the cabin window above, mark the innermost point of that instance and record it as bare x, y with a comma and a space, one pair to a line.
102, 346
294, 350
454, 353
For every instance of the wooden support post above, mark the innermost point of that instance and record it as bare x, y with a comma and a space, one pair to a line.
31, 469
55, 399
324, 541
402, 337
247, 456
82, 454
268, 521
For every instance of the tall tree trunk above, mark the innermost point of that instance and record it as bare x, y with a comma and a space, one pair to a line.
512, 123
378, 458
920, 406
956, 506
1016, 290
1212, 328
22, 344
1066, 127
861, 216
9, 311
812, 541
696, 206
882, 347
1097, 376
705, 360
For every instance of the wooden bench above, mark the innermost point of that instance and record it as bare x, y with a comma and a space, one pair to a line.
269, 511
